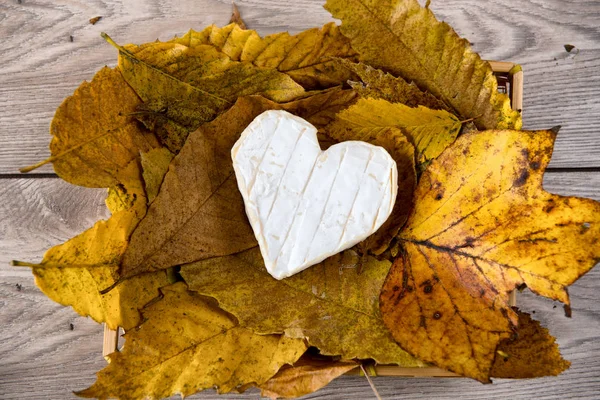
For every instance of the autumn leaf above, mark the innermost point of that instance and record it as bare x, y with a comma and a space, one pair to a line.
154, 167
377, 84
199, 212
533, 353
430, 131
74, 272
334, 304
306, 376
236, 18
305, 57
405, 39
482, 226
186, 345
94, 137
190, 86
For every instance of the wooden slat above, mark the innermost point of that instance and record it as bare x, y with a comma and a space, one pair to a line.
42, 358
41, 66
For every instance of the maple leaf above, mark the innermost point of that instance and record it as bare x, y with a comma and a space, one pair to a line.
482, 226
199, 212
377, 84
532, 353
430, 131
405, 39
306, 57
190, 86
94, 137
333, 304
72, 273
187, 344
306, 376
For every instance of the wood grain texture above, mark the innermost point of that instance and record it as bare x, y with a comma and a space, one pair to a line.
40, 65
41, 357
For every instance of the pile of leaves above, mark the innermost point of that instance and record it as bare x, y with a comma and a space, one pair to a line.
177, 265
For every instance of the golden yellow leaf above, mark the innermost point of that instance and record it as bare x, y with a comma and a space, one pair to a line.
306, 376
74, 273
405, 39
190, 86
155, 164
94, 137
305, 57
199, 212
482, 226
187, 344
430, 131
334, 304
532, 353
377, 84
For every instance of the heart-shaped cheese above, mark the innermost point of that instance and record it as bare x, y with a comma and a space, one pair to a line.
305, 204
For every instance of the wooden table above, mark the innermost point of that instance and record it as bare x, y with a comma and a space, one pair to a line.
49, 47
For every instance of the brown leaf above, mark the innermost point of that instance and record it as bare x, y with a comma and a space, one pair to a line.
187, 344
334, 304
377, 84
236, 18
532, 353
306, 376
482, 226
405, 39
199, 212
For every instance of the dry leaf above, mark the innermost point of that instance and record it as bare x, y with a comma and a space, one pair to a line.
482, 226
189, 86
306, 376
94, 136
236, 18
186, 345
405, 39
199, 212
74, 272
430, 131
155, 164
305, 57
334, 304
377, 84
533, 353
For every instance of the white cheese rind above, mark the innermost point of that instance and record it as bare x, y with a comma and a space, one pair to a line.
305, 204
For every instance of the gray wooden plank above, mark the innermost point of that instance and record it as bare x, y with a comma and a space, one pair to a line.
41, 66
42, 358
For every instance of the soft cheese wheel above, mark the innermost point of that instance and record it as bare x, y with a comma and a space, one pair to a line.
305, 204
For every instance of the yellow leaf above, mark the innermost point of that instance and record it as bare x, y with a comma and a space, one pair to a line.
155, 164
532, 353
377, 84
186, 345
430, 131
74, 273
334, 304
482, 226
405, 39
94, 137
305, 57
199, 212
306, 376
190, 86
